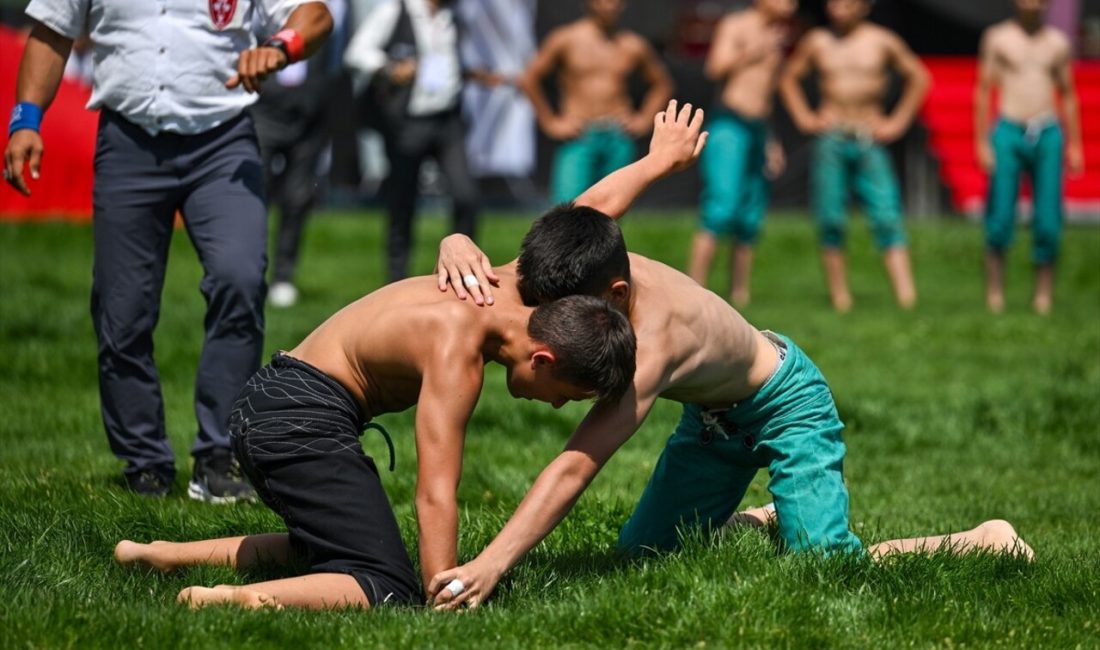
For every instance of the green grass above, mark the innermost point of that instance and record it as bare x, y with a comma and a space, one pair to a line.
954, 416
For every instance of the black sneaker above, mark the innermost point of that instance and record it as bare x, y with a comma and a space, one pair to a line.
149, 483
217, 479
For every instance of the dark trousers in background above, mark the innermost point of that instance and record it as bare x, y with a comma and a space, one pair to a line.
215, 181
291, 143
408, 143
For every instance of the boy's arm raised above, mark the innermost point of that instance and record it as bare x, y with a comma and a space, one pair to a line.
450, 387
678, 139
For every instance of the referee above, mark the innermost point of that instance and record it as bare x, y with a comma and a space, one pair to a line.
172, 80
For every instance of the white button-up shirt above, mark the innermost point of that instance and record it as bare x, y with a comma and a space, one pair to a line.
163, 64
439, 72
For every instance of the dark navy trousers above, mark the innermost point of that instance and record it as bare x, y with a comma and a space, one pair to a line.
215, 181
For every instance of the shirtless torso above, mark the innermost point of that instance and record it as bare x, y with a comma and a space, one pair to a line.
1025, 67
745, 59
593, 68
853, 68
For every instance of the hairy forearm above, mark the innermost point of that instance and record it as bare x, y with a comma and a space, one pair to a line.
42, 66
437, 518
617, 191
547, 502
313, 22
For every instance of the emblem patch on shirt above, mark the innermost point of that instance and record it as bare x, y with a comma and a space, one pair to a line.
221, 12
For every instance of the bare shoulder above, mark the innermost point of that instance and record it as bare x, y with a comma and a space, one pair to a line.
633, 42
458, 332
1058, 40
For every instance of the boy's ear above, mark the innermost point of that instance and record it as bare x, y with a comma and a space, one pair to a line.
542, 357
619, 293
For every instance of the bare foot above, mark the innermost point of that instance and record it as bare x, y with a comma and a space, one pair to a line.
198, 597
754, 517
995, 302
999, 536
1042, 305
907, 301
740, 298
129, 553
842, 302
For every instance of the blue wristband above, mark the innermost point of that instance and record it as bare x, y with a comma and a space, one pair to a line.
25, 115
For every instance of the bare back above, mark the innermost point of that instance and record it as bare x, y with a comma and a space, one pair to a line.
854, 72
757, 47
1025, 67
380, 346
593, 71
701, 349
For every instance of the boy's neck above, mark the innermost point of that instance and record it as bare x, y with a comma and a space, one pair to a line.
847, 30
607, 30
1030, 23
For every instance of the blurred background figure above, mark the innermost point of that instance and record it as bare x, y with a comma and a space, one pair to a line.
596, 121
410, 49
853, 59
1028, 62
295, 134
741, 153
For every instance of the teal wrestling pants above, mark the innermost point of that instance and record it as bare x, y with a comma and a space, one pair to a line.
579, 164
791, 427
843, 161
735, 191
1036, 148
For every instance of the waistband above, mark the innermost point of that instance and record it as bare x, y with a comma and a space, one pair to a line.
284, 360
721, 110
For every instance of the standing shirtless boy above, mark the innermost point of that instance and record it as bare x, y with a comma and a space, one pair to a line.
1029, 63
744, 59
296, 424
752, 399
852, 59
594, 59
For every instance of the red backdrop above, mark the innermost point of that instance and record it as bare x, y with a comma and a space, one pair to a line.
64, 189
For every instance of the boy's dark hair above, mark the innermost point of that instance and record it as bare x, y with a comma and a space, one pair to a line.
593, 344
571, 250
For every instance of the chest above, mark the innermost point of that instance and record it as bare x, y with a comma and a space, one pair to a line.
1019, 53
603, 56
851, 55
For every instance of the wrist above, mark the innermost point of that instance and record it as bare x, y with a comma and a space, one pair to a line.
25, 115
290, 42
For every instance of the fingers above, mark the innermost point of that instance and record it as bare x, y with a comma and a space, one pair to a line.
700, 143
233, 82
455, 278
14, 171
35, 161
685, 114
254, 65
696, 120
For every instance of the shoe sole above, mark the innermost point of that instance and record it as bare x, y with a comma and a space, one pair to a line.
199, 493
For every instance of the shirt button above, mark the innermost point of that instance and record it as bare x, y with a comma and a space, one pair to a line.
162, 50
161, 88
163, 10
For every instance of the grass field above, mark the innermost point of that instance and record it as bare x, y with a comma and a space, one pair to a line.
954, 416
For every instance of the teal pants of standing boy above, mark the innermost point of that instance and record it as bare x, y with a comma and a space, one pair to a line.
790, 426
847, 161
735, 191
601, 149
1035, 149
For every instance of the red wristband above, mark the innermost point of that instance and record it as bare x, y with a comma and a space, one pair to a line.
295, 44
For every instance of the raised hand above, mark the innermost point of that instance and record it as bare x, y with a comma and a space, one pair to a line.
678, 137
